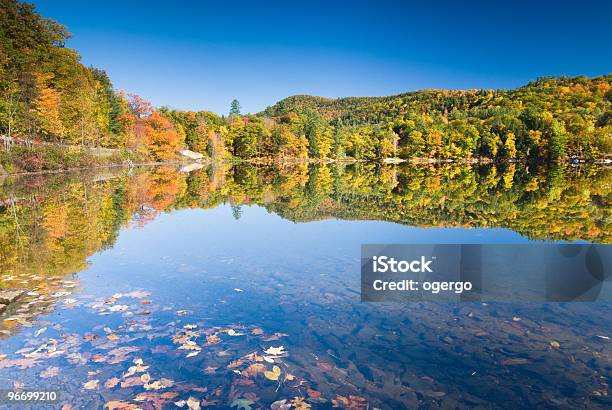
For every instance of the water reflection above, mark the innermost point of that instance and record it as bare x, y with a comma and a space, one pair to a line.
245, 279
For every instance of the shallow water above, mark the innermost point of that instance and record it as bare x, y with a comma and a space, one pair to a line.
240, 288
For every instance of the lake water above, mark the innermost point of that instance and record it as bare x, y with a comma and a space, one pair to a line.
239, 287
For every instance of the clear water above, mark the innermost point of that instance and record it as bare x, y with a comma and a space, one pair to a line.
122, 270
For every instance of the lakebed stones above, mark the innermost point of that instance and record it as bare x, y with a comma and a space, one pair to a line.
8, 296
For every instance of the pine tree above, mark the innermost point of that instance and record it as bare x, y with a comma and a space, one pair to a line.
235, 108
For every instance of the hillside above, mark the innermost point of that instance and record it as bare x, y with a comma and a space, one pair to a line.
547, 118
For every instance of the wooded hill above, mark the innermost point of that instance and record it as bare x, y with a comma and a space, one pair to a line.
549, 118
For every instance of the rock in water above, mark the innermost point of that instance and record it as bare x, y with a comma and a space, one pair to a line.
8, 296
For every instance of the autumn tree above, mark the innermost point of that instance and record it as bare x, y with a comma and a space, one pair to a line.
161, 138
47, 109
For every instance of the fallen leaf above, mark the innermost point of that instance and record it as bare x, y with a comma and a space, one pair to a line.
351, 402
131, 382
120, 405
91, 385
213, 339
514, 362
299, 404
137, 294
275, 336
193, 403
242, 404
275, 351
325, 366
112, 382
280, 405
274, 374
50, 371
255, 369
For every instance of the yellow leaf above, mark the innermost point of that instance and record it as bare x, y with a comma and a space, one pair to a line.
274, 374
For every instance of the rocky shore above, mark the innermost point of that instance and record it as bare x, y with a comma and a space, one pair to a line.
8, 296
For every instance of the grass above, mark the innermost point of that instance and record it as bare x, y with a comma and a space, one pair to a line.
53, 158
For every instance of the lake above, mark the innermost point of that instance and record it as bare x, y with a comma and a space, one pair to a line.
238, 286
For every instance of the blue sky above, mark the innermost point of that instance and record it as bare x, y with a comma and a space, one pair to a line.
200, 54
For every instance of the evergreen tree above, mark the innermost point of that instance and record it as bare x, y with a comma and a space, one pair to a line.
235, 108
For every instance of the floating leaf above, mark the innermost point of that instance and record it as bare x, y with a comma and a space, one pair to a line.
555, 344
274, 374
275, 351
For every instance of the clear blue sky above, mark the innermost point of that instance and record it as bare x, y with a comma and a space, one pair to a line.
202, 54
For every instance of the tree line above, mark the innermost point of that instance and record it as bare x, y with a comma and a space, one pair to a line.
48, 95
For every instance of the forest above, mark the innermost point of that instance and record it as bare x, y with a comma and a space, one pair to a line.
50, 99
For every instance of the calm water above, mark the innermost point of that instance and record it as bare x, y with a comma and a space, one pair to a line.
239, 287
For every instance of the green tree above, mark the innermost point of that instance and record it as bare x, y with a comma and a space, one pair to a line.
235, 108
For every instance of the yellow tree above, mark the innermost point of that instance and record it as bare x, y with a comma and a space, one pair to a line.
47, 108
